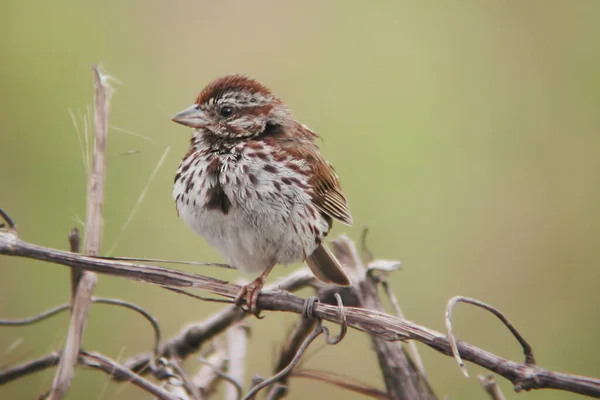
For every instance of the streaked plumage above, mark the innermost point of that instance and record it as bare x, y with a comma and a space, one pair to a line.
254, 184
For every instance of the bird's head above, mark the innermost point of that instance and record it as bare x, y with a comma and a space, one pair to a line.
235, 107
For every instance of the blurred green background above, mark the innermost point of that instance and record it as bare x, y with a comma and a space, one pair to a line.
466, 135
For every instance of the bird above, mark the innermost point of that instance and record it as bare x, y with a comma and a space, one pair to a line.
254, 184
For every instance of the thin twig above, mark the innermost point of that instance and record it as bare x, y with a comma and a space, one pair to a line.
187, 382
172, 382
210, 372
36, 318
527, 350
280, 378
101, 300
401, 376
9, 221
303, 328
284, 372
98, 361
29, 367
189, 340
139, 310
489, 384
367, 254
412, 345
223, 375
342, 382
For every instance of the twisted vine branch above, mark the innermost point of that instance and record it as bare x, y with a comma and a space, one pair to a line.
524, 376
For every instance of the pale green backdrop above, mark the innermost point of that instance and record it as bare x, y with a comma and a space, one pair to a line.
466, 135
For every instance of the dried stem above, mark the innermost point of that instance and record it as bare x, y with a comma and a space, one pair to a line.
412, 345
189, 340
402, 378
527, 350
102, 300
29, 367
222, 375
112, 368
489, 384
237, 346
66, 368
83, 282
188, 384
288, 369
97, 179
211, 371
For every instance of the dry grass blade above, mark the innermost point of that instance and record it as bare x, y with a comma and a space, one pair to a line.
140, 200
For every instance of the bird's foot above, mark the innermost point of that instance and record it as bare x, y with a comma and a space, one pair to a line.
249, 294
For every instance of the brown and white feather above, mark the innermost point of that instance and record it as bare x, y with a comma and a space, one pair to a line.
254, 183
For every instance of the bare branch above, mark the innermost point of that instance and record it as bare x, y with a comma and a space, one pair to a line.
12, 227
112, 368
190, 339
529, 358
412, 345
210, 373
382, 325
402, 378
237, 343
29, 367
491, 386
116, 302
66, 368
284, 372
302, 330
222, 375
188, 384
202, 264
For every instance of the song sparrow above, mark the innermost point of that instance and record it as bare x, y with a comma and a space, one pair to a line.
254, 184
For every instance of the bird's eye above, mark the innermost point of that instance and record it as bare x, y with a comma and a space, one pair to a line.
226, 111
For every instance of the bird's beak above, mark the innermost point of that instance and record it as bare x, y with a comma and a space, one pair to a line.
192, 117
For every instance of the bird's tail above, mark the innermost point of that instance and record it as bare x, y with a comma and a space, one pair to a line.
326, 267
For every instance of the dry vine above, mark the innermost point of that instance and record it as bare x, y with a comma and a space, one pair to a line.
361, 309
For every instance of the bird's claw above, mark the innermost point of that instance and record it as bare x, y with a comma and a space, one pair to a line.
248, 294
